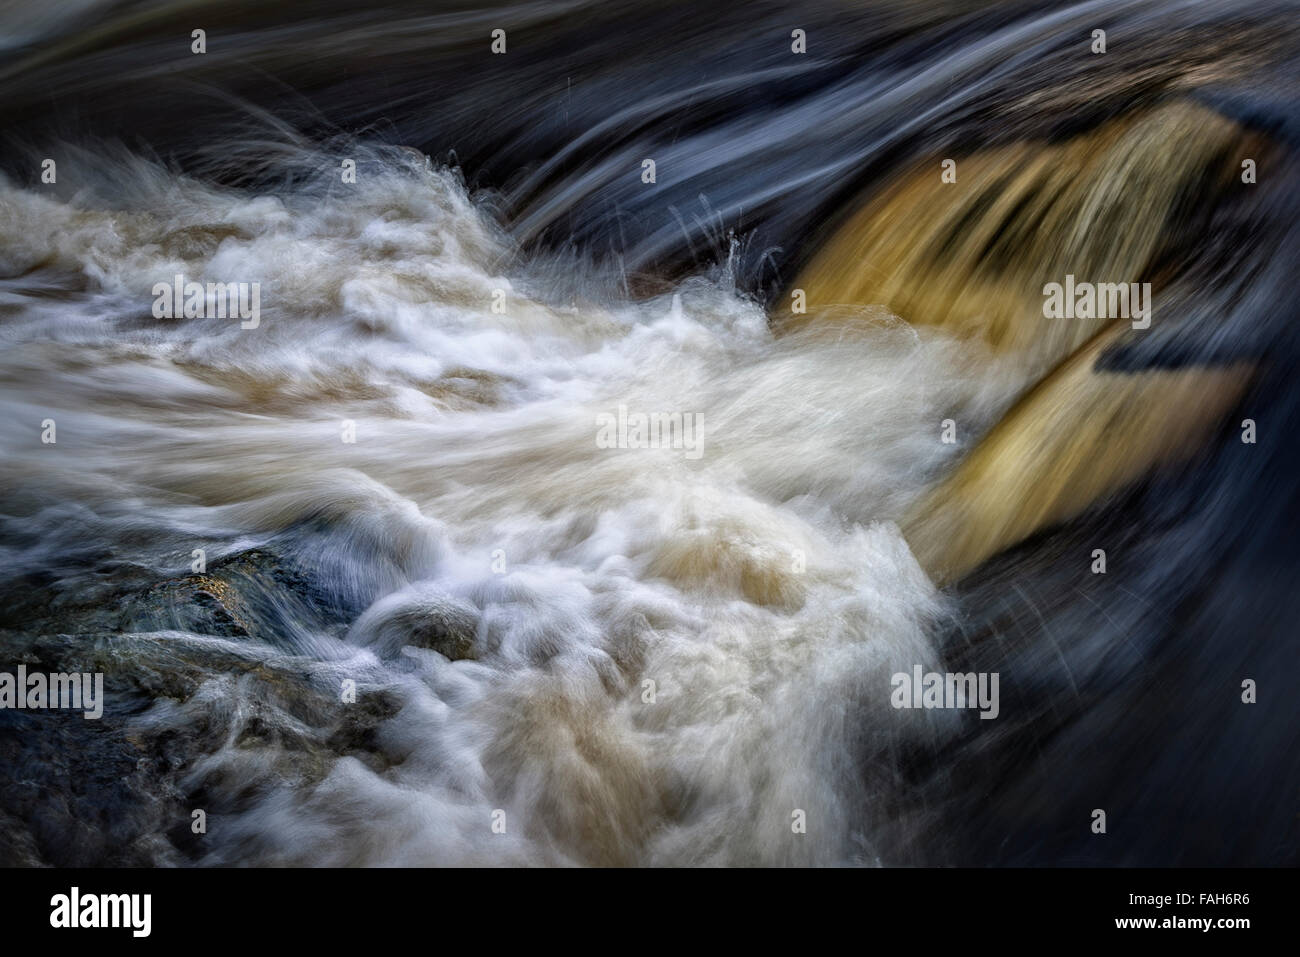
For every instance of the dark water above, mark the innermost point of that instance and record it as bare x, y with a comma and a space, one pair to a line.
499, 587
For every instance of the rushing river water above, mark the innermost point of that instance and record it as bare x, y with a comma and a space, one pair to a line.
370, 586
762, 587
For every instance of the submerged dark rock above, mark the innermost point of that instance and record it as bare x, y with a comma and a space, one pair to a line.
201, 672
253, 594
189, 723
424, 619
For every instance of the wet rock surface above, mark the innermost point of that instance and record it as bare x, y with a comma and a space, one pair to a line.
424, 619
205, 704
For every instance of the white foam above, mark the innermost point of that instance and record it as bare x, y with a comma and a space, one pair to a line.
476, 438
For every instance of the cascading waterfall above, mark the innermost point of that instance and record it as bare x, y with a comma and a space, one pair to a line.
368, 586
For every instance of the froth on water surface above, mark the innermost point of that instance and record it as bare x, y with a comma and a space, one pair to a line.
635, 655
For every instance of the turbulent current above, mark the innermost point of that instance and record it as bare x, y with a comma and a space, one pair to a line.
664, 657
574, 433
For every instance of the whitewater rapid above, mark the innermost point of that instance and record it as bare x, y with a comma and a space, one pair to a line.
672, 658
